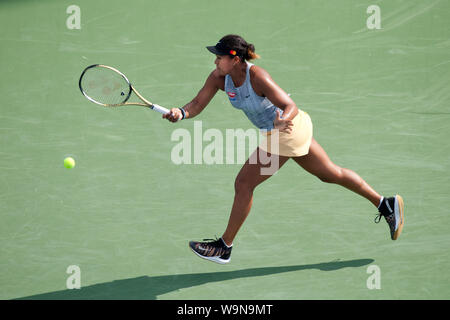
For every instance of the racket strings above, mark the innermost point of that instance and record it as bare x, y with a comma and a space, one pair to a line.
105, 86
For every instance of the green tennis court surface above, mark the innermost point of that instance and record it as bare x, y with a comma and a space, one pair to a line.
378, 98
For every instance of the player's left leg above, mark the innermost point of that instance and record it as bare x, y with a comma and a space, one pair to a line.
319, 164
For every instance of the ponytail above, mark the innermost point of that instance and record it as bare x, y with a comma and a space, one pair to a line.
251, 55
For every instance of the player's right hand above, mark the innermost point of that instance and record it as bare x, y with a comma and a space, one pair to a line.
174, 115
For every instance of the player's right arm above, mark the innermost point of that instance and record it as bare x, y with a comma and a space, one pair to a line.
213, 83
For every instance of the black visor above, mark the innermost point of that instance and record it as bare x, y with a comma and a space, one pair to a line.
222, 50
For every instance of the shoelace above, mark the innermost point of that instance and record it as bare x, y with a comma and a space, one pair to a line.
216, 239
210, 244
221, 246
378, 217
212, 249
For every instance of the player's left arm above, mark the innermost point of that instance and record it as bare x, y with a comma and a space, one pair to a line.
265, 86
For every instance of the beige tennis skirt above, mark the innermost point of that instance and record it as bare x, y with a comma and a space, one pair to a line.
294, 144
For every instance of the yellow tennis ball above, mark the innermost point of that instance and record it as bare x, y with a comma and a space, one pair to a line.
69, 163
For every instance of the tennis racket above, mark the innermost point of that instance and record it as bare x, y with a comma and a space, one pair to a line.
108, 87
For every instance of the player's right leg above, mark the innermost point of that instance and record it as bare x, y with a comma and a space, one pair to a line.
254, 172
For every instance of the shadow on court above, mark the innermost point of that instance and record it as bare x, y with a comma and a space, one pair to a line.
149, 288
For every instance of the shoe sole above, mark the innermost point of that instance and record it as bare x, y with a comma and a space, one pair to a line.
399, 207
213, 259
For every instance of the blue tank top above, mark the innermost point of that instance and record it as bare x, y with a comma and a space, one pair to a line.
259, 110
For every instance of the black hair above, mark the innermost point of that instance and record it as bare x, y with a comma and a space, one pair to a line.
245, 50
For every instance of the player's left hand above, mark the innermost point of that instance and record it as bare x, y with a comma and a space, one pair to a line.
281, 124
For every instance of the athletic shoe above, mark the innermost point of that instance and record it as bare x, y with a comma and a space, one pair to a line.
213, 250
392, 210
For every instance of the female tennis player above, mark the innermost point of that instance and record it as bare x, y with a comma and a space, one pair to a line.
251, 89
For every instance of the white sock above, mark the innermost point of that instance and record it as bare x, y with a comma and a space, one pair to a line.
381, 201
226, 244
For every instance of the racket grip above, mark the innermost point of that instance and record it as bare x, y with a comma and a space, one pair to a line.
159, 108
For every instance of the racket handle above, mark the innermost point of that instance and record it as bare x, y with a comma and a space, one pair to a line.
159, 109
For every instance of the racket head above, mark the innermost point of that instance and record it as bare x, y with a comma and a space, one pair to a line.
105, 85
